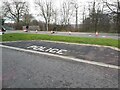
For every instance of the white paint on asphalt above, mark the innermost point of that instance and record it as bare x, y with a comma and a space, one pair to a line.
103, 36
90, 35
45, 49
65, 57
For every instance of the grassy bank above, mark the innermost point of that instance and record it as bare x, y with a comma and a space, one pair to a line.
96, 41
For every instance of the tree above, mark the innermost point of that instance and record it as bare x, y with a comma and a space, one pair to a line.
46, 11
94, 17
15, 10
97, 19
34, 22
55, 16
84, 18
76, 14
67, 12
115, 9
1, 13
27, 18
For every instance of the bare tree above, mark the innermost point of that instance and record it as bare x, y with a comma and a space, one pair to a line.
27, 18
95, 15
1, 12
76, 14
15, 9
97, 19
115, 9
67, 12
46, 11
55, 16
83, 18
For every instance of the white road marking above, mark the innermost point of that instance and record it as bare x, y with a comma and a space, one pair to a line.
65, 57
103, 36
45, 49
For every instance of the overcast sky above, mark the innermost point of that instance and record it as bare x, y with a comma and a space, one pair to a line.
57, 4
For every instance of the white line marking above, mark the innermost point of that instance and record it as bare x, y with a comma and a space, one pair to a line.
103, 36
65, 57
51, 50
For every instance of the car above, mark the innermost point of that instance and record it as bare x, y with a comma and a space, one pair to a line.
2, 30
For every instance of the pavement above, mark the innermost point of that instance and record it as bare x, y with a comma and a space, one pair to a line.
91, 53
30, 70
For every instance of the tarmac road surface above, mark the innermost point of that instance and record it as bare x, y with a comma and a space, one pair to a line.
22, 69
28, 70
91, 53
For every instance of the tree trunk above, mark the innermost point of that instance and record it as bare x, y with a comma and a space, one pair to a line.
118, 22
47, 26
76, 19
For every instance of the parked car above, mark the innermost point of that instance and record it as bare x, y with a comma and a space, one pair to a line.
2, 30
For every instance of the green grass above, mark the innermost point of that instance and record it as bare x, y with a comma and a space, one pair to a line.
96, 41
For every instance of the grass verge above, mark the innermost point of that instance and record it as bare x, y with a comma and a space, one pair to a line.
81, 40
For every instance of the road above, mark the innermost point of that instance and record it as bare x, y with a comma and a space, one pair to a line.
28, 70
76, 34
51, 69
91, 53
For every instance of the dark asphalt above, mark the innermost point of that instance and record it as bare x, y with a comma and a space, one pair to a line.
98, 54
27, 70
